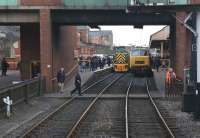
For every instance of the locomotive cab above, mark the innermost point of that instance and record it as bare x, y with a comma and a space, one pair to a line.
140, 61
121, 60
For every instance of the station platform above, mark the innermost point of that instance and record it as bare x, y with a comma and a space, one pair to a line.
12, 76
159, 78
104, 96
70, 86
26, 115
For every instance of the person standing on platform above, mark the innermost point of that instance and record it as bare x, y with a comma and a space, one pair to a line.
77, 84
61, 79
109, 61
157, 63
4, 66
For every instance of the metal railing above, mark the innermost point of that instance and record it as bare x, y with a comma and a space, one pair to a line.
174, 89
22, 91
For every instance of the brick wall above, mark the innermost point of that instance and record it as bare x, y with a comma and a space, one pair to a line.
78, 40
18, 53
64, 43
40, 2
84, 35
195, 1
30, 48
63, 49
183, 46
46, 47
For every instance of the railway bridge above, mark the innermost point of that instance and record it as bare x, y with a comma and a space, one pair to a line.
48, 32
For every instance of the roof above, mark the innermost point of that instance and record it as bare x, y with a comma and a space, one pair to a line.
161, 35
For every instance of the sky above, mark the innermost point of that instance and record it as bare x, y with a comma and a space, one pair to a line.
127, 35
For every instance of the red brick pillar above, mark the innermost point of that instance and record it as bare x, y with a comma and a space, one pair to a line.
30, 48
183, 46
46, 47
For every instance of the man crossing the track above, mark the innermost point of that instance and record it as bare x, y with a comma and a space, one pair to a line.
77, 84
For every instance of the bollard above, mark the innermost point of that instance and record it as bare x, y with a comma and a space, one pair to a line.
9, 102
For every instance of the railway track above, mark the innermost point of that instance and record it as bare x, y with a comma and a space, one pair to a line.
111, 117
122, 117
167, 121
144, 117
58, 122
106, 116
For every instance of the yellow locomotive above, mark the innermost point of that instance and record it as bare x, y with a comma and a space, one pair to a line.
140, 61
121, 60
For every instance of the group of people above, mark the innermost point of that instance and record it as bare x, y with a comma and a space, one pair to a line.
4, 67
91, 63
170, 76
170, 80
155, 62
61, 81
94, 63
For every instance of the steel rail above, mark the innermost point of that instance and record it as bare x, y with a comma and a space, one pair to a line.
96, 83
74, 128
159, 113
61, 106
126, 109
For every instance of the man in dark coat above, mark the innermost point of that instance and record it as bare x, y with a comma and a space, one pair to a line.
157, 63
77, 84
61, 79
4, 66
108, 61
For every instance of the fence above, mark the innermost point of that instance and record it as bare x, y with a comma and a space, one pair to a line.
175, 89
22, 91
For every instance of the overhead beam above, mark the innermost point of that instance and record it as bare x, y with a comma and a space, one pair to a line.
115, 17
18, 17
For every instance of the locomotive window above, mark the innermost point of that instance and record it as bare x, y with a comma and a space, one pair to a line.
135, 52
139, 52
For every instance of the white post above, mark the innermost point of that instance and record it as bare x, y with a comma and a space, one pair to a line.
198, 47
162, 49
8, 102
